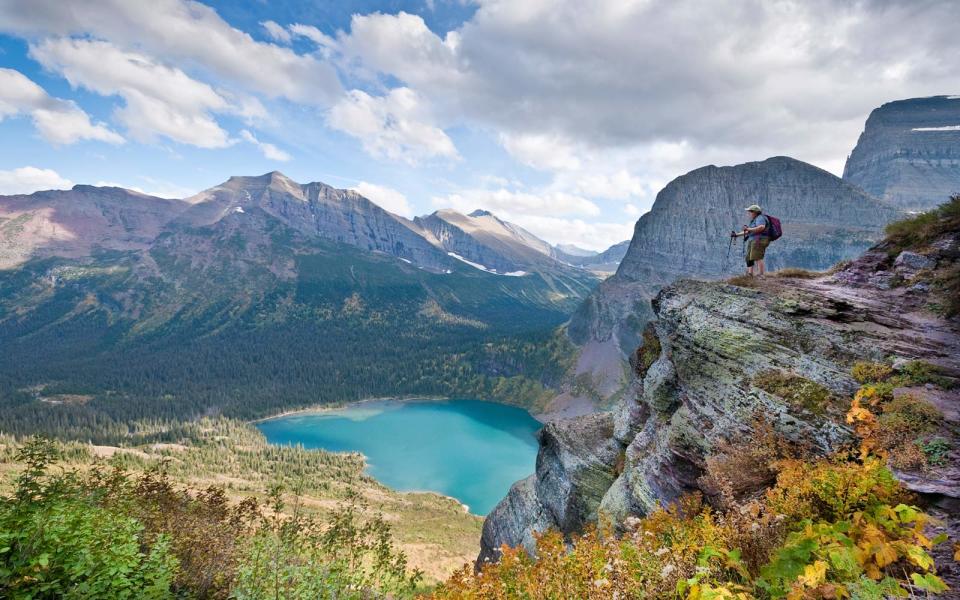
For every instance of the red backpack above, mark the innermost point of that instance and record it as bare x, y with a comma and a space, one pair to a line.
774, 229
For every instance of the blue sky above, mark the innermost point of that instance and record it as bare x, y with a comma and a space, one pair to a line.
563, 117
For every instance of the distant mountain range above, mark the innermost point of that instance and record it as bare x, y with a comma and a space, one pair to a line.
262, 293
77, 222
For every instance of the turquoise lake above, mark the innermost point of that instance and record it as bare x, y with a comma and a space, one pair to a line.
467, 449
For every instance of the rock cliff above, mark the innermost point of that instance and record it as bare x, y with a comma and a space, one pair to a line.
909, 152
686, 234
699, 381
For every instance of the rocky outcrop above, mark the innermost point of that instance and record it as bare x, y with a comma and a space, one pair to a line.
909, 152
699, 383
575, 467
686, 234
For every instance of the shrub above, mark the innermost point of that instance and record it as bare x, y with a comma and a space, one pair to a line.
919, 372
871, 372
57, 539
648, 351
745, 281
935, 450
798, 391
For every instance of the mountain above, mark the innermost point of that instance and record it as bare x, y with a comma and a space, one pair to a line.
485, 240
257, 295
909, 152
73, 223
825, 220
572, 250
603, 262
721, 363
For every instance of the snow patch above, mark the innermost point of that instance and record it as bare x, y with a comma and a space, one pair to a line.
485, 269
405, 260
238, 209
471, 263
944, 128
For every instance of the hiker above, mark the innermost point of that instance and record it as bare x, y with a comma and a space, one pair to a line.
757, 236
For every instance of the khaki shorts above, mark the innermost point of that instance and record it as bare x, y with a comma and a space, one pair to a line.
756, 249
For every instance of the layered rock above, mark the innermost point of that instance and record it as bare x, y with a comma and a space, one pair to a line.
909, 152
713, 346
686, 234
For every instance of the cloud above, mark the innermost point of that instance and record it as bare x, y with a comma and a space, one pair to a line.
758, 79
154, 187
395, 126
591, 236
27, 180
313, 34
185, 32
548, 152
158, 100
514, 203
276, 31
386, 198
269, 151
58, 121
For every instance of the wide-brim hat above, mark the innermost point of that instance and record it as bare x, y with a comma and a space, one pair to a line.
754, 208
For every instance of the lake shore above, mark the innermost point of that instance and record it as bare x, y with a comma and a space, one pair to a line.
326, 408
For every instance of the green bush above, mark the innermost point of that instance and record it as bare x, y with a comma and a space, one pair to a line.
59, 539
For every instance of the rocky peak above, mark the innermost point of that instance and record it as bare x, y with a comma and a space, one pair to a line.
909, 152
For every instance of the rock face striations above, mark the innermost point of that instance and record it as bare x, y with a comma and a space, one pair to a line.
909, 152
686, 234
699, 380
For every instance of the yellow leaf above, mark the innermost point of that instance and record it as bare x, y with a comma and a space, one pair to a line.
885, 555
814, 575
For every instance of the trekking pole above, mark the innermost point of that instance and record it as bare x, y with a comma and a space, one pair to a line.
726, 261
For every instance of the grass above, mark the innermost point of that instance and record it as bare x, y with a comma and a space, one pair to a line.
792, 273
915, 232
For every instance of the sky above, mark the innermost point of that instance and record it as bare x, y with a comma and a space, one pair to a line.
566, 117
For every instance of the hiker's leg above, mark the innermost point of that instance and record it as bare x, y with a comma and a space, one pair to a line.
750, 267
761, 267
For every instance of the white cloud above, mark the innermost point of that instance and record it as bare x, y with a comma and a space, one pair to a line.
591, 236
324, 41
154, 187
27, 180
269, 151
631, 210
386, 198
159, 100
759, 79
58, 121
395, 126
548, 152
512, 204
185, 32
276, 31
